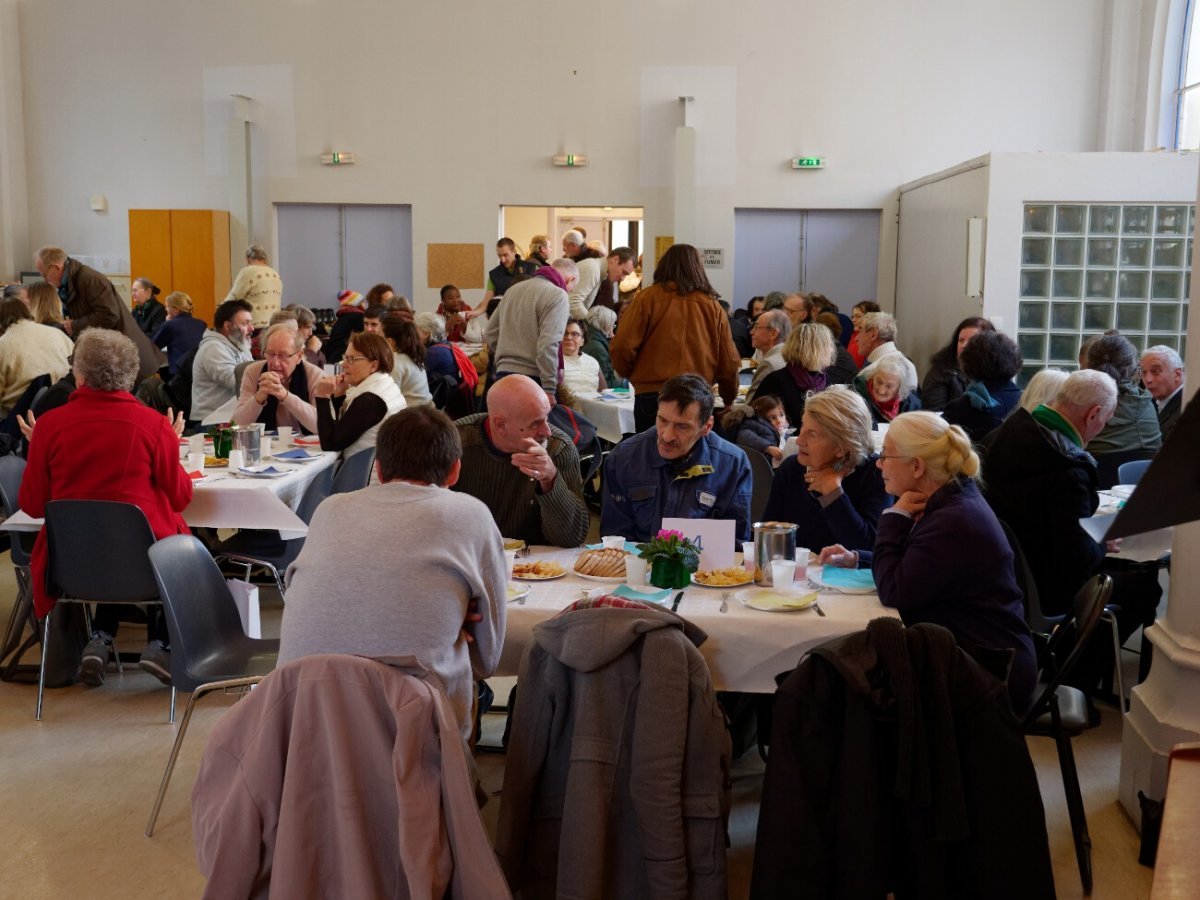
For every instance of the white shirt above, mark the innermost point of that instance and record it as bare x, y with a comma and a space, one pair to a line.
581, 373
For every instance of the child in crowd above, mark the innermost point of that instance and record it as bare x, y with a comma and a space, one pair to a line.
763, 427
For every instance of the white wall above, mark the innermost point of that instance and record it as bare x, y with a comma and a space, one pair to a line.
457, 108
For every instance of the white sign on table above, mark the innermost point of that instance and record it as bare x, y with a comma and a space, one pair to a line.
715, 537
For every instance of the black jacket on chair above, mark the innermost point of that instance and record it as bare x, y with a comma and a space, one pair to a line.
897, 765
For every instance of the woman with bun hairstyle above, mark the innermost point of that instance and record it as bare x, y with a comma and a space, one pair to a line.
147, 311
940, 554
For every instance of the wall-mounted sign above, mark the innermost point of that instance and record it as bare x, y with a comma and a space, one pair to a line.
808, 162
713, 257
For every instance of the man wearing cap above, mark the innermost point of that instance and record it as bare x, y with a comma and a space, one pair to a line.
259, 285
348, 321
279, 390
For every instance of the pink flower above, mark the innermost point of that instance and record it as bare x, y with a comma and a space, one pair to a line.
667, 535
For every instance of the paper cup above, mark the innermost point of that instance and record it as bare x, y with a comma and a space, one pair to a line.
285, 435
802, 554
195, 462
783, 573
196, 444
635, 571
237, 459
613, 542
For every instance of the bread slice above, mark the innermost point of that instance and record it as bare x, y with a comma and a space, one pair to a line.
605, 563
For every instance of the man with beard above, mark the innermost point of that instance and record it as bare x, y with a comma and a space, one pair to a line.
221, 350
523, 469
679, 469
279, 390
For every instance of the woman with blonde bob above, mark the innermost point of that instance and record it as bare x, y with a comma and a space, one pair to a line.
809, 350
831, 488
940, 554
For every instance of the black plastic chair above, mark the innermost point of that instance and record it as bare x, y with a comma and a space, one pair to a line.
12, 469
97, 554
763, 476
1132, 472
1061, 711
354, 473
209, 649
266, 548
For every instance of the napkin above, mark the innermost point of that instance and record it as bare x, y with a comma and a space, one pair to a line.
307, 440
624, 590
852, 579
261, 470
629, 546
298, 453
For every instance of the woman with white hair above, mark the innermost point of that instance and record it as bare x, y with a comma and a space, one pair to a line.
807, 353
940, 554
598, 331
885, 386
1042, 389
831, 487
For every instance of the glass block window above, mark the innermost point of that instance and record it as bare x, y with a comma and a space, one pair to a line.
1086, 268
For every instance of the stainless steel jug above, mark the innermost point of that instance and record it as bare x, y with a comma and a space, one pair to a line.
772, 540
248, 439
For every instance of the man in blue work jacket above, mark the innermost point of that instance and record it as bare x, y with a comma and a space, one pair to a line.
679, 468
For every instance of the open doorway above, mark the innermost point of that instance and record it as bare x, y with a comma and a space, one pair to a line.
614, 226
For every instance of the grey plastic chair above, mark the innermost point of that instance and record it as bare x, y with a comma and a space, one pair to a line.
267, 549
763, 476
354, 473
1132, 472
97, 554
209, 649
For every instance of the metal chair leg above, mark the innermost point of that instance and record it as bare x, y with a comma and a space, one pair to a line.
183, 726
42, 669
1074, 797
1107, 616
171, 715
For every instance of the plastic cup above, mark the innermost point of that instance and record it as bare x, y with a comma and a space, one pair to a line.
237, 459
510, 558
748, 556
802, 554
613, 542
196, 444
285, 435
195, 462
783, 573
265, 446
635, 571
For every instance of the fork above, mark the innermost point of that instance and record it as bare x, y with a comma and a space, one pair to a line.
523, 553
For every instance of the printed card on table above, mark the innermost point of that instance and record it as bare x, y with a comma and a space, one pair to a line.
715, 537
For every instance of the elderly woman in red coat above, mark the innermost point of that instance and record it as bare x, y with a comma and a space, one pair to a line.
105, 445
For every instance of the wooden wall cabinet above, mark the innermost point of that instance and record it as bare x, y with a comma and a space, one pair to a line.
183, 250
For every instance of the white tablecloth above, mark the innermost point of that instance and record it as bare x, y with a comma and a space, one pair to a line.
613, 418
223, 500
746, 648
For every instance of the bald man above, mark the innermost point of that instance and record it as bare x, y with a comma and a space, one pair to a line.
523, 469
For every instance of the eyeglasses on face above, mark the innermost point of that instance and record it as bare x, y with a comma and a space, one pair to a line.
349, 359
280, 357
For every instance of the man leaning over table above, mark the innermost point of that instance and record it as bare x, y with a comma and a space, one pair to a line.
344, 596
279, 389
679, 468
523, 469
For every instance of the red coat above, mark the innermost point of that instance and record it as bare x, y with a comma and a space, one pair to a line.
103, 445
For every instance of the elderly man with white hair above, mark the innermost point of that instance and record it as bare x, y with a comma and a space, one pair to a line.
280, 389
877, 338
1162, 374
767, 336
1041, 481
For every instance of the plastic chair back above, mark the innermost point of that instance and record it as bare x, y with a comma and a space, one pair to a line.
1132, 472
202, 617
318, 489
1038, 621
1108, 465
12, 470
763, 477
97, 551
354, 473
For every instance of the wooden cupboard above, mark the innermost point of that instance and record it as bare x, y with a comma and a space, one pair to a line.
183, 250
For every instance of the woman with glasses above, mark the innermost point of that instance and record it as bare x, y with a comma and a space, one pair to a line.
856, 319
940, 554
581, 373
351, 406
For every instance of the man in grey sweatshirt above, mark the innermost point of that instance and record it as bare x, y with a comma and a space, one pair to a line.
222, 348
441, 597
525, 331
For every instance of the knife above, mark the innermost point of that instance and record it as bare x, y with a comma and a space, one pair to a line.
675, 604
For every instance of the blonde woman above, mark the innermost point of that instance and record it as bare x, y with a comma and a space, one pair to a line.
809, 350
181, 333
44, 305
940, 554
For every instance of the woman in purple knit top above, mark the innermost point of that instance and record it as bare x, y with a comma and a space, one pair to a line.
940, 554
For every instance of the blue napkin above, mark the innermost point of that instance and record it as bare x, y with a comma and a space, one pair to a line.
294, 454
629, 545
651, 596
848, 579
269, 470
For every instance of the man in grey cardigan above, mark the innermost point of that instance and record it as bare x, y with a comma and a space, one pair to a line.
525, 331
441, 600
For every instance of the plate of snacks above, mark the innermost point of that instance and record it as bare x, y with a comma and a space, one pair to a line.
513, 544
541, 570
734, 576
215, 462
606, 565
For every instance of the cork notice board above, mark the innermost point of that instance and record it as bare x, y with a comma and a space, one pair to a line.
457, 264
662, 243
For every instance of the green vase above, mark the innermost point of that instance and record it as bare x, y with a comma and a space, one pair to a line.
669, 573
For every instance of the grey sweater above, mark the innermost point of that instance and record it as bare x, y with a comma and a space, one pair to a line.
526, 329
521, 510
349, 593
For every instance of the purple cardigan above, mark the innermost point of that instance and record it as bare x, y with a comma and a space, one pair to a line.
954, 568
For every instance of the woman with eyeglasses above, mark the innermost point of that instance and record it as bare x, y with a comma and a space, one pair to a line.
351, 406
940, 554
581, 373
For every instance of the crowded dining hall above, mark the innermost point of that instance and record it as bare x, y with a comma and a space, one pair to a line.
713, 502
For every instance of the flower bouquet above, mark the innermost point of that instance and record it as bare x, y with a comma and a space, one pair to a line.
672, 557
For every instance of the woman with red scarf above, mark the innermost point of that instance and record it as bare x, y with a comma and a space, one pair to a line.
884, 385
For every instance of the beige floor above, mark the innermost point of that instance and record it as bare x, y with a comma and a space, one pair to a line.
76, 789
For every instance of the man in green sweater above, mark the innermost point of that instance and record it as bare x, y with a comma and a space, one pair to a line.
523, 469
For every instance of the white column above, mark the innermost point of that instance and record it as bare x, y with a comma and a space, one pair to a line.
1165, 709
685, 178
15, 250
240, 183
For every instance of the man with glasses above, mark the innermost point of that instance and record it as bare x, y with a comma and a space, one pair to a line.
279, 390
767, 336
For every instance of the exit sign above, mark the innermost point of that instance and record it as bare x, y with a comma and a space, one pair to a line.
808, 162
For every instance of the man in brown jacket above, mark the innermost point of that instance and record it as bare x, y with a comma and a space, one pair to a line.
91, 301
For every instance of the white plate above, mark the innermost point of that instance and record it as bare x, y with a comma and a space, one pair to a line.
517, 591
724, 587
250, 473
538, 577
603, 579
814, 577
771, 600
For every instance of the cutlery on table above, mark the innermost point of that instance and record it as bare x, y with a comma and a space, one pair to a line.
675, 605
724, 603
817, 607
